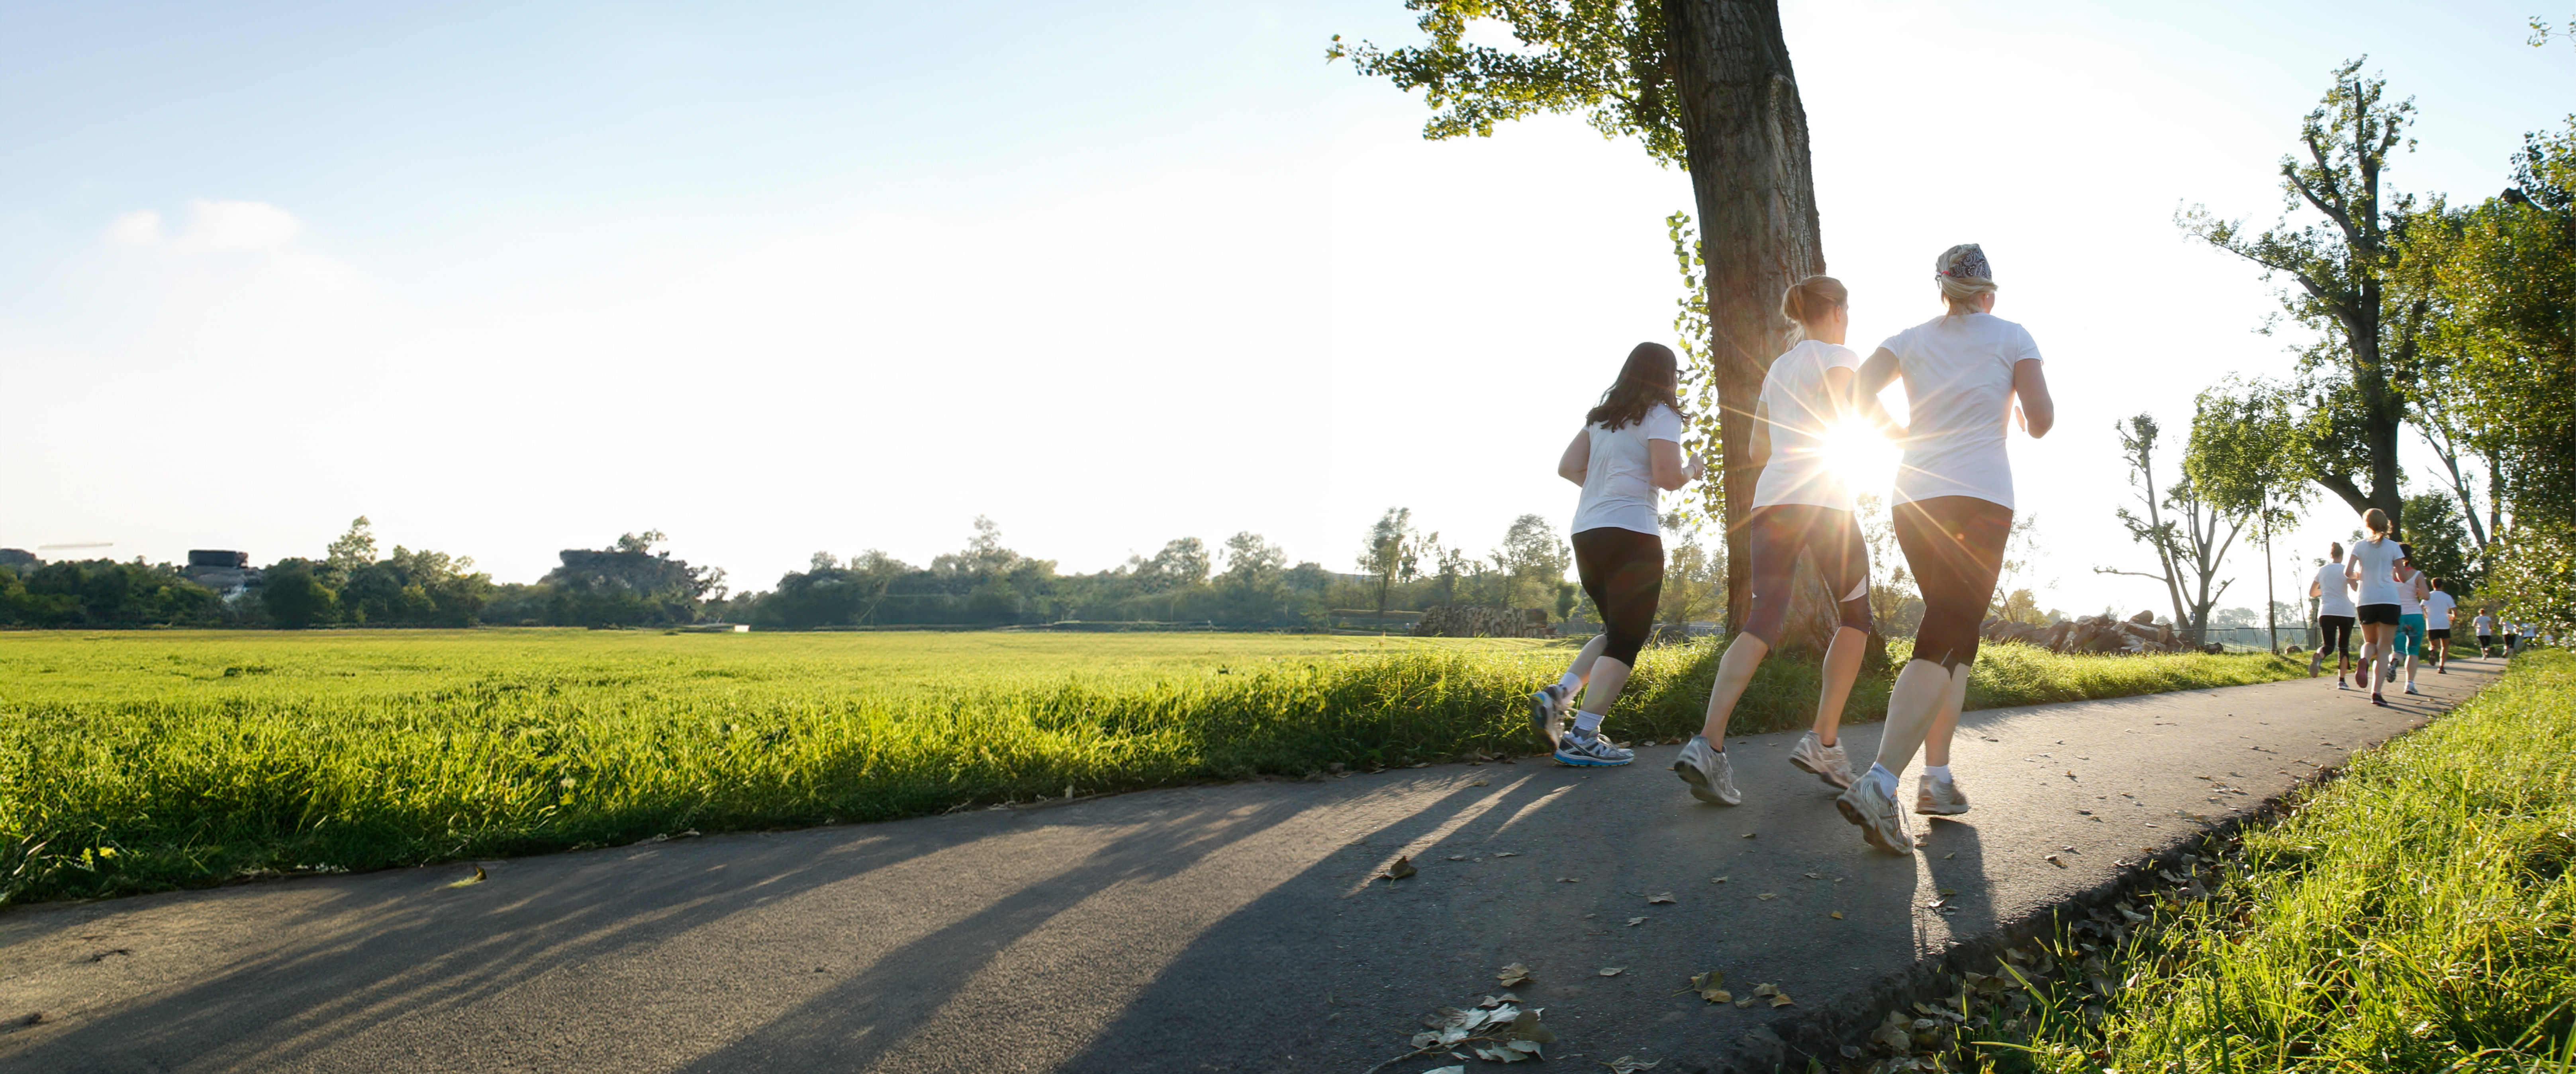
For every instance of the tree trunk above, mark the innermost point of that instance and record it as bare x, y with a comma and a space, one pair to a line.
1744, 134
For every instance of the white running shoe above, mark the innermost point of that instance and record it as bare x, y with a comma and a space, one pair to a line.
1868, 805
2410, 688
1938, 798
1591, 751
1710, 775
1547, 712
1827, 762
2340, 684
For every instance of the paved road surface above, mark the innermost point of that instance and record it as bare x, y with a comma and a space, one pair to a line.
1205, 929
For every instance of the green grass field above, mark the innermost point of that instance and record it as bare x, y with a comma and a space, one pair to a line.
2417, 914
137, 761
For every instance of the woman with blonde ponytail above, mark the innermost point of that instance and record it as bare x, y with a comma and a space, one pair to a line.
1800, 506
2380, 608
1964, 372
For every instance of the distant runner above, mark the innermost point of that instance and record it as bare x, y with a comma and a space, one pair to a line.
2333, 593
2512, 632
1800, 507
2437, 626
2486, 627
2374, 569
1630, 446
2410, 612
1953, 514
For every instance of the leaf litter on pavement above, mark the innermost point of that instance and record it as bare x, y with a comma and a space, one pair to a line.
1497, 1029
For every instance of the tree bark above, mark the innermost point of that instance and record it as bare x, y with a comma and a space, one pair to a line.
1744, 135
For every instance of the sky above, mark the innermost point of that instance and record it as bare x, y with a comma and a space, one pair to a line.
775, 278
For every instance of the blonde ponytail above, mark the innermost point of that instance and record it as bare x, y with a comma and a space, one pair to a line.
1810, 299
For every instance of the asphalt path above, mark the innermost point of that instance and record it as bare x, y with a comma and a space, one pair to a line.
1218, 928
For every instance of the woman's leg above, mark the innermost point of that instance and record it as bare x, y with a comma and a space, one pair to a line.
1580, 671
1955, 546
1842, 557
1771, 551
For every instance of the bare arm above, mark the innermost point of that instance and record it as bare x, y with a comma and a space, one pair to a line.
1864, 387
2038, 411
1578, 457
1671, 470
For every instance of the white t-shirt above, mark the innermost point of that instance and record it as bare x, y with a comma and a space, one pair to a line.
1801, 406
2377, 561
2486, 624
1958, 371
2437, 610
2334, 594
1619, 486
2407, 604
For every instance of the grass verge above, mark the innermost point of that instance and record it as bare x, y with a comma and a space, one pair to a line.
255, 768
2416, 914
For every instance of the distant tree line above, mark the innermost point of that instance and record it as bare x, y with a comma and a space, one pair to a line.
1246, 582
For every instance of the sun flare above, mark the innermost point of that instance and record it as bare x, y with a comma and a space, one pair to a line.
1865, 460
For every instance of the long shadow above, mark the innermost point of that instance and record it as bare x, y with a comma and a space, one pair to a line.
423, 950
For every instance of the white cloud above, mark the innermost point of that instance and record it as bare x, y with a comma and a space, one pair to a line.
254, 228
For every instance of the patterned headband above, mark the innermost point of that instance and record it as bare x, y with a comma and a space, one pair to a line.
1970, 263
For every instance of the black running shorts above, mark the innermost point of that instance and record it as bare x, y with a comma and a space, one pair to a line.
2335, 633
2378, 615
1623, 572
2443, 634
1778, 535
1955, 546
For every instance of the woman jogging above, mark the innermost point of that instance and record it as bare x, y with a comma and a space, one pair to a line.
2485, 624
1630, 446
2410, 612
2438, 606
1953, 513
2374, 569
2333, 594
1799, 506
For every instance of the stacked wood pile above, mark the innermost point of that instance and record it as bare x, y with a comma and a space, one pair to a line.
1468, 621
2096, 634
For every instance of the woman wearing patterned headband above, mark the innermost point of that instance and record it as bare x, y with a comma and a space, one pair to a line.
1963, 371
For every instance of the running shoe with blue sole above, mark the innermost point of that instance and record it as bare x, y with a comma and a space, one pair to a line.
1592, 752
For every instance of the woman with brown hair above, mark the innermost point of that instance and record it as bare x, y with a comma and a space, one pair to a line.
1800, 507
2379, 609
1630, 446
1964, 371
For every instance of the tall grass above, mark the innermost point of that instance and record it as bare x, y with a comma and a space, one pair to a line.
2417, 914
130, 769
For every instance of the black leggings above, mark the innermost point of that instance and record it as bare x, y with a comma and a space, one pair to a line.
1778, 534
1955, 544
2336, 634
1623, 571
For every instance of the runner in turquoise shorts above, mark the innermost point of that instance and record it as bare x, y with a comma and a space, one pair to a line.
2411, 588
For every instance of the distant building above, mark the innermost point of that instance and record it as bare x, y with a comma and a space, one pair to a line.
228, 573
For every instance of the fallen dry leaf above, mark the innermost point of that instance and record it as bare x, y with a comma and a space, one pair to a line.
1507, 853
1766, 896
1717, 880
1482, 783
1747, 835
1636, 921
1781, 999
1815, 876
1947, 892
1567, 880
1653, 900
477, 878
2056, 861
1629, 1065
1613, 971
1838, 915
1711, 986
1402, 868
1745, 1002
1514, 975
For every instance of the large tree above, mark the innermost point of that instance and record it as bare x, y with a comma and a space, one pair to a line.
1705, 84
2345, 269
2246, 459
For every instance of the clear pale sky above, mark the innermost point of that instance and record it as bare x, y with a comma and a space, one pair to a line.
778, 277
